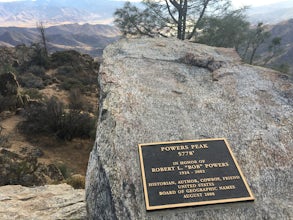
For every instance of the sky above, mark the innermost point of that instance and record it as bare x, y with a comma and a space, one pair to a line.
237, 3
240, 3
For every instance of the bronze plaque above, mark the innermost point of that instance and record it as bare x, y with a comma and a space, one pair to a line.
191, 173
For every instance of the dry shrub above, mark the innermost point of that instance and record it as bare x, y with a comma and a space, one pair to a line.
51, 117
77, 181
3, 138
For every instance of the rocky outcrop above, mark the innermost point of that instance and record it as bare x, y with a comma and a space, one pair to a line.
7, 57
8, 84
24, 169
10, 99
42, 203
155, 90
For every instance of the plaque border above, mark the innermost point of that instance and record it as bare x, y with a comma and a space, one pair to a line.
180, 205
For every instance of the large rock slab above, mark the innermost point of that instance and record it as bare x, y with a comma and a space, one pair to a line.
41, 203
155, 90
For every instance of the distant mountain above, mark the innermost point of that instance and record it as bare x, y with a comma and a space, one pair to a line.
285, 56
271, 14
285, 31
86, 38
53, 12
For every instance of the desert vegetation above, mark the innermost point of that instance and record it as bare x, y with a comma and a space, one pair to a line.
48, 106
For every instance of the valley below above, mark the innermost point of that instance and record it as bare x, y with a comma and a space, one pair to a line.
85, 38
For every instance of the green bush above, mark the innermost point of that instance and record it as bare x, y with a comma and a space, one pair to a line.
39, 56
3, 138
71, 83
5, 68
76, 124
10, 103
43, 117
48, 80
33, 93
37, 70
51, 117
29, 80
66, 70
77, 101
61, 58
64, 170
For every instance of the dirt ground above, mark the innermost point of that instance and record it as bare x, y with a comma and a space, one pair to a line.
74, 154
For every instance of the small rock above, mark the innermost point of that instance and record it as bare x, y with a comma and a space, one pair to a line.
37, 152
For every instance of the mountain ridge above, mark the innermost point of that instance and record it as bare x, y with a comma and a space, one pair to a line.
86, 38
272, 13
53, 12
284, 56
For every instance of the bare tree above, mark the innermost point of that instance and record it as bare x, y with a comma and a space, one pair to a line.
41, 29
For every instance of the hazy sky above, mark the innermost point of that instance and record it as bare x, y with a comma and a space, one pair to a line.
237, 3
